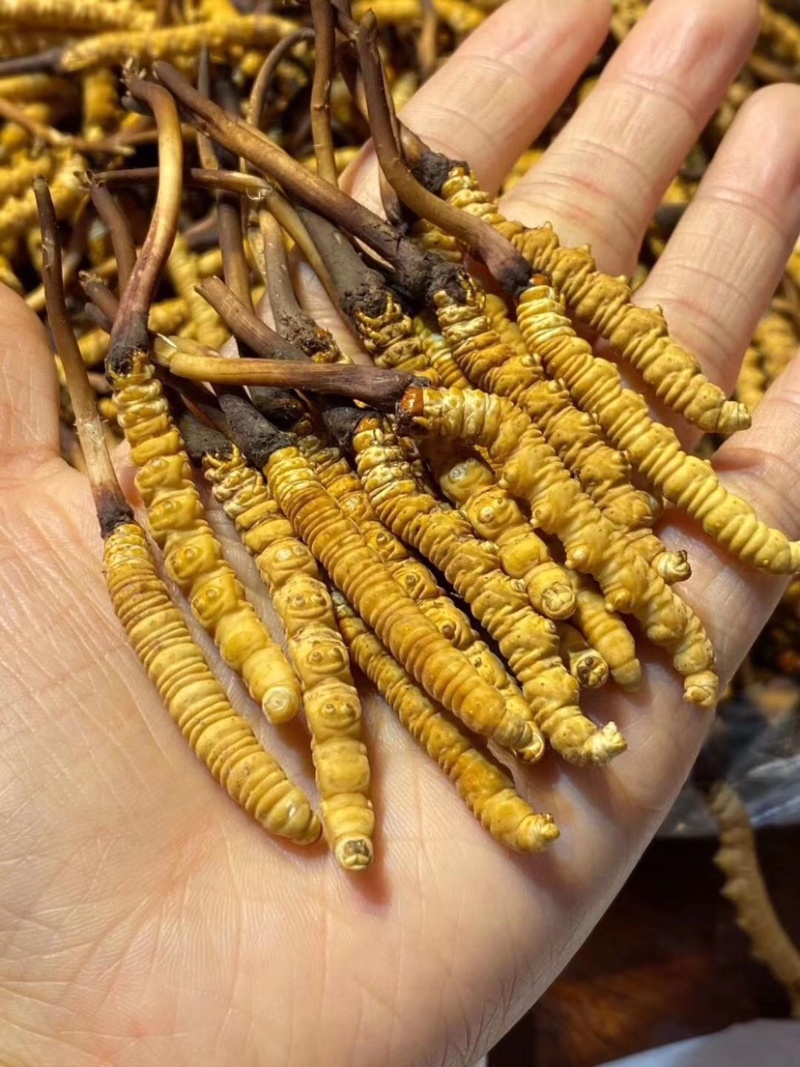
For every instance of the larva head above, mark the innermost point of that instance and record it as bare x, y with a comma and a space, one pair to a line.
465, 478
354, 853
320, 655
301, 601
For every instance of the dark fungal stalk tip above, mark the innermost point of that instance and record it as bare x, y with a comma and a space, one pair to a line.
254, 435
202, 440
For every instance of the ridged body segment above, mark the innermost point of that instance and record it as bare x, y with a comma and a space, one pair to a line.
364, 579
317, 652
688, 482
192, 554
221, 739
485, 789
533, 472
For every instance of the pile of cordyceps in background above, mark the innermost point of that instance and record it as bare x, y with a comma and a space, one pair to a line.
468, 521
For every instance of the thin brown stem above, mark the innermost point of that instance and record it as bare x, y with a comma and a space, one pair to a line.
244, 324
130, 326
324, 41
270, 65
100, 295
116, 223
422, 273
499, 255
427, 45
112, 508
380, 389
49, 135
205, 146
290, 221
228, 180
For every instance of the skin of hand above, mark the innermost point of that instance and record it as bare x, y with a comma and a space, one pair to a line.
143, 919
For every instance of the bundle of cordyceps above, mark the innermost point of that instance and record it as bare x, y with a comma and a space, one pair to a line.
469, 522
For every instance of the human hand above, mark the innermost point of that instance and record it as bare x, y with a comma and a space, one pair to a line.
143, 919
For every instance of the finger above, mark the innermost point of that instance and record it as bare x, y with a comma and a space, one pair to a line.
500, 89
28, 404
722, 264
761, 465
604, 176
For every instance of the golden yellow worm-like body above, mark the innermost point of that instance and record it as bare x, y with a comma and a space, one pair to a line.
446, 372
486, 790
316, 649
782, 33
752, 382
18, 176
414, 577
744, 886
8, 277
687, 481
221, 738
390, 338
468, 481
171, 42
583, 662
192, 554
606, 631
527, 641
184, 274
36, 86
639, 335
364, 579
19, 215
101, 104
166, 317
24, 41
533, 472
603, 472
86, 16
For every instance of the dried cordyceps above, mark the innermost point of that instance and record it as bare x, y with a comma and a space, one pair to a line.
744, 887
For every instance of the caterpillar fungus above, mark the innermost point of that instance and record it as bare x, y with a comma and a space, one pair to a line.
192, 554
413, 576
331, 702
362, 576
687, 481
527, 641
603, 472
484, 788
157, 631
744, 886
533, 472
638, 335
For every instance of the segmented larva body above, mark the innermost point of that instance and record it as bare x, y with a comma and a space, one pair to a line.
364, 579
185, 276
777, 341
413, 576
167, 318
744, 886
752, 382
527, 641
606, 631
782, 32
18, 215
192, 554
446, 372
172, 42
583, 662
101, 106
390, 338
221, 738
639, 335
533, 472
603, 472
17, 178
688, 482
509, 333
469, 483
317, 652
485, 789
87, 16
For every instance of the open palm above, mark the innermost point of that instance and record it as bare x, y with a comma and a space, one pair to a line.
144, 920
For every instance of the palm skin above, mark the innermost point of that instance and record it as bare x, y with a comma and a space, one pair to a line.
144, 920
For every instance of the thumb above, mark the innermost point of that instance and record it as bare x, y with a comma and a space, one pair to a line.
28, 390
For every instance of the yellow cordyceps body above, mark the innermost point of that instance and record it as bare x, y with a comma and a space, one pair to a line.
413, 576
18, 215
638, 335
166, 318
17, 178
752, 382
390, 338
606, 631
533, 472
744, 887
86, 17
509, 333
221, 738
688, 482
331, 702
485, 789
36, 86
192, 554
603, 472
170, 42
101, 103
495, 516
782, 32
446, 372
364, 579
527, 641
184, 274
774, 346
